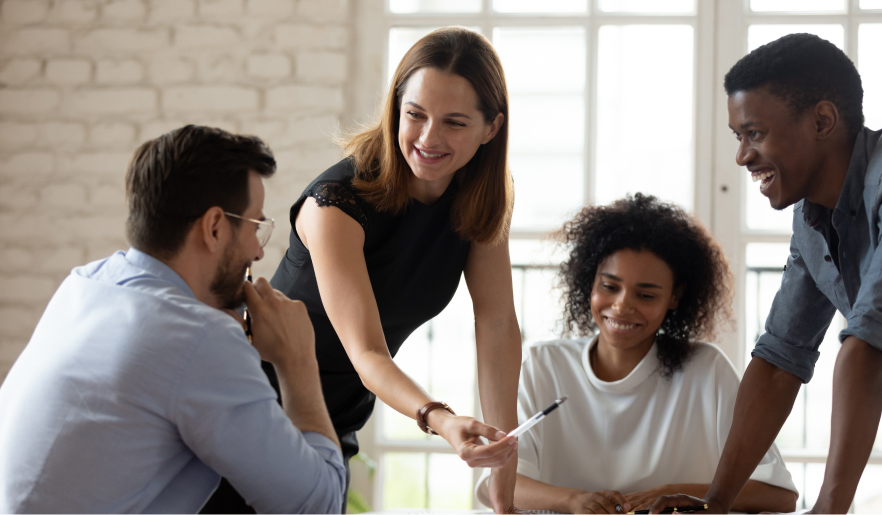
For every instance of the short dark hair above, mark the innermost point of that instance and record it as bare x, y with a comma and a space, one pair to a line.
174, 179
642, 223
802, 70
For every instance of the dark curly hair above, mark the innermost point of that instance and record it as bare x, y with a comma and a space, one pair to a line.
643, 223
802, 70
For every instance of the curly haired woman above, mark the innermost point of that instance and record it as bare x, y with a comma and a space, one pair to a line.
650, 406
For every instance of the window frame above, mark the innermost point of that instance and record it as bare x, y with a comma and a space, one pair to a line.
729, 197
720, 39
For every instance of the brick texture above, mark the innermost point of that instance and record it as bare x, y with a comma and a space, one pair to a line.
84, 82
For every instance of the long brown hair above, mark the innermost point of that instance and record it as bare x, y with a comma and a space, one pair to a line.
483, 205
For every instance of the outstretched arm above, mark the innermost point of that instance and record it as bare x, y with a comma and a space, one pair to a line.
857, 406
336, 243
764, 401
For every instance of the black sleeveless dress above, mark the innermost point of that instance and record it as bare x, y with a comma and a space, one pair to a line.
415, 261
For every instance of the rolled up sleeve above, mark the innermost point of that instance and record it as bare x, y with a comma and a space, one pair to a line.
865, 318
797, 322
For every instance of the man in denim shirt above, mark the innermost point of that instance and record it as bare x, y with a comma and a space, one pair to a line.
795, 107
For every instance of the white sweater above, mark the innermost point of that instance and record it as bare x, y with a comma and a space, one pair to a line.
630, 435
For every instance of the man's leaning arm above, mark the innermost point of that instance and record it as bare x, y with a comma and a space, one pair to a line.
764, 401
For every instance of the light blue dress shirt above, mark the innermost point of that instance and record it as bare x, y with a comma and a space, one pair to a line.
133, 396
813, 286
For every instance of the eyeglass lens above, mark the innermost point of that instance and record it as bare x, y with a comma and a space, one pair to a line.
264, 231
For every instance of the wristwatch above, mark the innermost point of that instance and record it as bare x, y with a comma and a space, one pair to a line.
423, 412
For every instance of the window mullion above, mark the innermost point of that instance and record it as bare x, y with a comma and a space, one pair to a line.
592, 28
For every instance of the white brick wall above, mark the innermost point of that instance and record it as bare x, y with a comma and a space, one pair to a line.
84, 82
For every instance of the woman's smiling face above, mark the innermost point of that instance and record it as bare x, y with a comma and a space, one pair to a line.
632, 293
440, 127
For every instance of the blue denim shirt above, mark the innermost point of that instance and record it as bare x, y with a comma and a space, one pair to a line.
813, 288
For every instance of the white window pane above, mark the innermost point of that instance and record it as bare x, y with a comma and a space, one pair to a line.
648, 6
819, 392
871, 4
548, 124
645, 113
814, 477
765, 265
767, 255
450, 483
758, 214
536, 252
548, 189
413, 359
869, 43
400, 41
543, 60
404, 480
542, 306
452, 354
547, 6
439, 356
868, 497
797, 473
545, 71
800, 6
758, 35
435, 6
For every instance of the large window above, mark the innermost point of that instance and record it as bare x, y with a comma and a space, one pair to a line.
610, 97
758, 237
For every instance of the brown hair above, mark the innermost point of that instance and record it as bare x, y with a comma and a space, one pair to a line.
174, 179
483, 205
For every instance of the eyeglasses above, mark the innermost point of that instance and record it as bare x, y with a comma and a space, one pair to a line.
264, 227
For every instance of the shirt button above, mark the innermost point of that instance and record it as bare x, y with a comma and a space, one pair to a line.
827, 258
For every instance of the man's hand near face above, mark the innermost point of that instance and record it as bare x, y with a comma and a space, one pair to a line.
282, 333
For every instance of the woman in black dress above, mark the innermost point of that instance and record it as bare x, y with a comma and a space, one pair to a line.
423, 196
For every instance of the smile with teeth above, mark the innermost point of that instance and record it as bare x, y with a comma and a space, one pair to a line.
618, 325
430, 156
761, 176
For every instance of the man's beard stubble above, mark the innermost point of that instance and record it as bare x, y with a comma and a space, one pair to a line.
227, 284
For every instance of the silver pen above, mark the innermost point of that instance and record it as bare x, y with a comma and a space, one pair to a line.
532, 421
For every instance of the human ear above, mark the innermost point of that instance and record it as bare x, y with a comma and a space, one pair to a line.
211, 227
826, 118
494, 126
676, 295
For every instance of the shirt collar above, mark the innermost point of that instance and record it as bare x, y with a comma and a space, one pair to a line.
647, 366
852, 193
157, 268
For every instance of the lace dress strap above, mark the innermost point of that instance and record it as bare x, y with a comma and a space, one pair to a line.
332, 193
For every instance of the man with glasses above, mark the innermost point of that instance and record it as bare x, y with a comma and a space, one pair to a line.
139, 390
